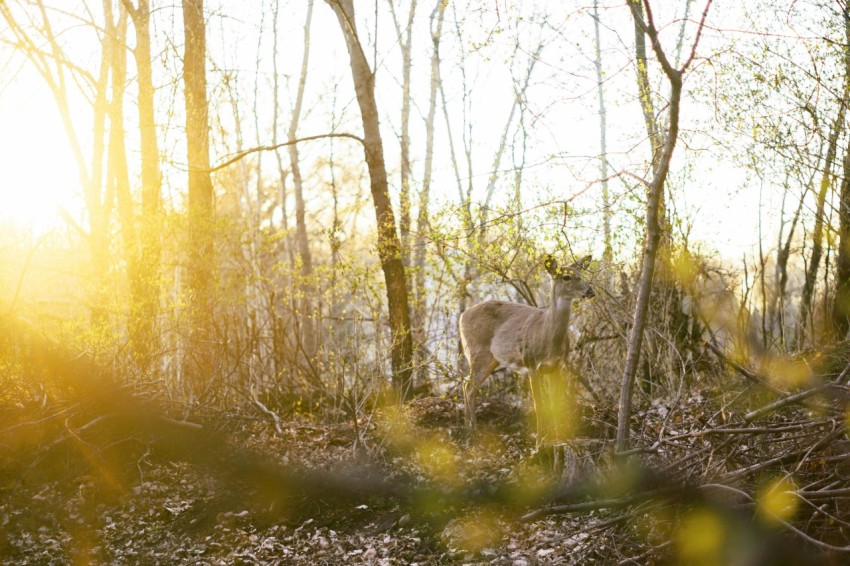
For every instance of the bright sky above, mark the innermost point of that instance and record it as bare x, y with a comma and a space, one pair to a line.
40, 176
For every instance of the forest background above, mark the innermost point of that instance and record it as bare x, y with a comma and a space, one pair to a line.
269, 213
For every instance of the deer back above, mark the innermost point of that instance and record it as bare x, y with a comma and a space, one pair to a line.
504, 330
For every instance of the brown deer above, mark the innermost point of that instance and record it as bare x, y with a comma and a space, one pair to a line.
519, 337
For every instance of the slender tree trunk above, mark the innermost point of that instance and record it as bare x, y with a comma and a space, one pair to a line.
519, 96
118, 177
669, 300
644, 87
762, 277
149, 269
519, 169
405, 38
817, 235
243, 186
653, 209
841, 305
258, 317
422, 222
305, 259
603, 139
281, 315
651, 121
275, 118
783, 254
389, 246
98, 196
259, 132
465, 196
200, 203
465, 205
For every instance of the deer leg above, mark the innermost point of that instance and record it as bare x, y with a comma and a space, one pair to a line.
478, 372
537, 403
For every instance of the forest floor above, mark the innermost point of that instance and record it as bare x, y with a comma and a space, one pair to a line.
140, 504
724, 470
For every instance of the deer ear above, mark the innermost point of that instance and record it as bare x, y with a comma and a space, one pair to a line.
584, 262
551, 265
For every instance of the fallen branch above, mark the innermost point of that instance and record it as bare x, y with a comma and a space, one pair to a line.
597, 504
825, 493
278, 428
789, 400
797, 397
785, 458
745, 371
584, 506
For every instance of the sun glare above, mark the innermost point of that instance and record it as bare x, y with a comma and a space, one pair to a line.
40, 177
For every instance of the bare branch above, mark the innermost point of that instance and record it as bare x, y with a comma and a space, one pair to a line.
247, 152
701, 26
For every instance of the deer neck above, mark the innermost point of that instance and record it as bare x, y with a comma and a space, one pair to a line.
556, 323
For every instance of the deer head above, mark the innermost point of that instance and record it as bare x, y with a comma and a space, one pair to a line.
567, 282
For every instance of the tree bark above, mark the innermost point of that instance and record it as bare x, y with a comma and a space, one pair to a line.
661, 167
200, 202
98, 196
389, 246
